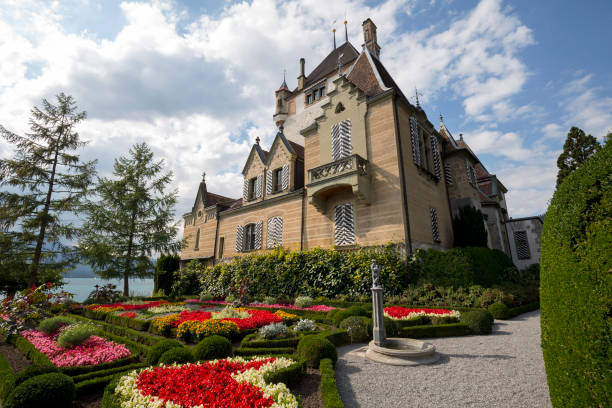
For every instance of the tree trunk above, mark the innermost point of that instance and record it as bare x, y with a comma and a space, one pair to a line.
43, 225
128, 261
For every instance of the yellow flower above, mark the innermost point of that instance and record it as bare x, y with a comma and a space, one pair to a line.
286, 316
159, 324
206, 328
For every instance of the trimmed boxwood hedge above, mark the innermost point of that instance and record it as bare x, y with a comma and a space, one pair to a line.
212, 347
104, 373
244, 351
576, 286
7, 378
28, 350
53, 390
134, 335
479, 321
314, 348
442, 330
179, 355
290, 376
132, 323
499, 311
329, 389
529, 307
160, 348
248, 342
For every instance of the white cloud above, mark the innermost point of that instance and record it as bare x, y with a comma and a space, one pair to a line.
554, 131
586, 108
497, 143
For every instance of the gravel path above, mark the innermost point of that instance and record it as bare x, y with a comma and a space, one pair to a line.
504, 369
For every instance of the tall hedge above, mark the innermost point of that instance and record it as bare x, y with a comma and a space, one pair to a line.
576, 286
318, 272
164, 272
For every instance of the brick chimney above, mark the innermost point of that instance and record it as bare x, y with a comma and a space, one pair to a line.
369, 37
302, 78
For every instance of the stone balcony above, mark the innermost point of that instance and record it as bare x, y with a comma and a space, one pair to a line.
351, 172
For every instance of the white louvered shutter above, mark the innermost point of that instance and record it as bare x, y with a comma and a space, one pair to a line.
258, 234
259, 186
341, 140
448, 174
414, 137
436, 156
468, 172
245, 190
344, 224
435, 231
239, 238
474, 175
285, 176
269, 182
274, 235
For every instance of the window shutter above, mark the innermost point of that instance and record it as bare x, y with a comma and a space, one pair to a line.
522, 245
285, 177
245, 190
344, 224
259, 186
435, 232
448, 174
436, 155
258, 234
414, 137
474, 175
468, 172
341, 140
269, 182
274, 236
239, 238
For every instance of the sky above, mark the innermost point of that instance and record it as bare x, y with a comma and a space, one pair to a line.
196, 79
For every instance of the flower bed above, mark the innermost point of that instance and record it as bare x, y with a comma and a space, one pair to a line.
315, 308
93, 351
403, 313
113, 307
233, 382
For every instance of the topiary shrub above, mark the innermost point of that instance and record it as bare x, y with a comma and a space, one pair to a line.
212, 347
479, 321
52, 390
72, 336
357, 328
340, 315
33, 371
179, 355
313, 348
576, 286
160, 348
51, 324
303, 301
499, 311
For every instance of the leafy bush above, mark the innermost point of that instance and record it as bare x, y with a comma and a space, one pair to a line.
469, 228
357, 328
212, 347
269, 300
303, 301
187, 280
52, 390
329, 389
160, 348
391, 327
33, 371
479, 321
51, 324
104, 294
75, 334
576, 286
304, 325
179, 355
313, 348
435, 320
340, 315
499, 311
273, 330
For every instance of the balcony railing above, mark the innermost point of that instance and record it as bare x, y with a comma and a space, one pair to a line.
339, 168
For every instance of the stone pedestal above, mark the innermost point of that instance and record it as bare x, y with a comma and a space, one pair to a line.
378, 316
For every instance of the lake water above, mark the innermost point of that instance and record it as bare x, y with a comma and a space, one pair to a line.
81, 287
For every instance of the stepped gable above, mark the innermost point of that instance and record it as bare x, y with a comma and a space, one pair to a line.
330, 63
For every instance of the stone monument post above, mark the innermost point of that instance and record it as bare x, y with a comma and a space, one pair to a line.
378, 316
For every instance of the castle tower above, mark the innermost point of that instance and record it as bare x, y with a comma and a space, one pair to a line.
282, 109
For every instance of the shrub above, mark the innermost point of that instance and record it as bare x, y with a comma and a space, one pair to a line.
304, 325
206, 296
51, 324
576, 285
357, 327
498, 310
340, 315
436, 320
269, 300
290, 376
212, 347
179, 355
303, 301
52, 390
442, 330
313, 348
160, 348
187, 280
33, 371
273, 330
164, 273
391, 327
192, 330
479, 321
329, 389
74, 335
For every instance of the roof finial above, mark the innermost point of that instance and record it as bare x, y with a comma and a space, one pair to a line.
345, 29
340, 73
203, 177
334, 31
441, 119
461, 136
257, 140
416, 95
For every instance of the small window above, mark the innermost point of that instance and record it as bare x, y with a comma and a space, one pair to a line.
197, 241
249, 237
322, 92
221, 245
309, 99
315, 94
522, 245
277, 180
252, 183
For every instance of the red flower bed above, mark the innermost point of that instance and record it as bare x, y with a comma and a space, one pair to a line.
397, 312
128, 314
209, 385
127, 306
187, 315
259, 318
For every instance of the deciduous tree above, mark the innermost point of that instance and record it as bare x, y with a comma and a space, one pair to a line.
577, 148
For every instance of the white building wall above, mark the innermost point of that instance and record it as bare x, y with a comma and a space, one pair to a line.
533, 227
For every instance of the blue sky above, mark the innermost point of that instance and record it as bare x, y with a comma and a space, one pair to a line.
196, 79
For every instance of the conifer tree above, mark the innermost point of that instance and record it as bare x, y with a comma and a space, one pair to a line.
133, 219
42, 184
577, 148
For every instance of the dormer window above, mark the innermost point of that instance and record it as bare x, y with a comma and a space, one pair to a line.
277, 180
315, 93
252, 186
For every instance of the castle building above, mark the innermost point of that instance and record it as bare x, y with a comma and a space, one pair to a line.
353, 163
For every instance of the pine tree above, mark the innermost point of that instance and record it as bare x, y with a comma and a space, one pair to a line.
577, 148
133, 219
469, 228
42, 184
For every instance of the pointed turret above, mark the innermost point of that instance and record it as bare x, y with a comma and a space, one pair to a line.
282, 107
